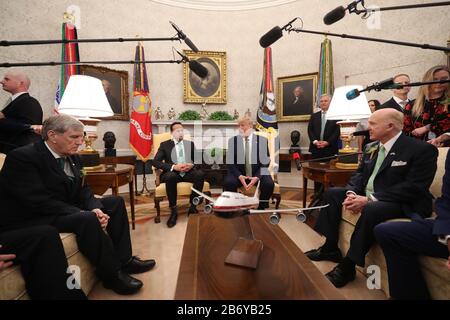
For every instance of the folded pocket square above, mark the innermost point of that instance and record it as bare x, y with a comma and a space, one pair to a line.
398, 163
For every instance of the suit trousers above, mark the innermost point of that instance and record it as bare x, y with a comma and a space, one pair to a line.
402, 243
171, 178
40, 254
108, 252
362, 238
232, 183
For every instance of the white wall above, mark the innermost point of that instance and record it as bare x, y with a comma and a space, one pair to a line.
237, 33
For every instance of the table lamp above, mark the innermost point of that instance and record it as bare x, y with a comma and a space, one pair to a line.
350, 112
83, 98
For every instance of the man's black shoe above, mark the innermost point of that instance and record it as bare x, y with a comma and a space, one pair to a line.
173, 217
136, 265
340, 276
320, 255
122, 283
192, 209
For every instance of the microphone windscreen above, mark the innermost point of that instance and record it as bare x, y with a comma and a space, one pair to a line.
352, 94
198, 68
334, 15
190, 44
270, 37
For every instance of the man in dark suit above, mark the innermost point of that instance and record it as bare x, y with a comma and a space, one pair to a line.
43, 184
399, 99
323, 134
39, 252
248, 160
392, 181
403, 242
177, 158
21, 118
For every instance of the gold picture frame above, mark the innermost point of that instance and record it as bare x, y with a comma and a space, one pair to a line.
117, 94
212, 88
290, 108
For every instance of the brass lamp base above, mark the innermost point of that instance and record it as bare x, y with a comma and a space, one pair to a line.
348, 162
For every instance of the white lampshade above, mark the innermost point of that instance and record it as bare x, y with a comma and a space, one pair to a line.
84, 96
342, 108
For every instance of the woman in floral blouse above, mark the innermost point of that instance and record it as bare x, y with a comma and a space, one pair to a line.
428, 116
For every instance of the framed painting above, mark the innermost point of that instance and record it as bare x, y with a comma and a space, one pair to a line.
296, 97
115, 83
212, 88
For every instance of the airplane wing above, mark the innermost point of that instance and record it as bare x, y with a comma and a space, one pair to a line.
201, 194
288, 210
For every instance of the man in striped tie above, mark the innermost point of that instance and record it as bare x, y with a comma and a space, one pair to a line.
392, 181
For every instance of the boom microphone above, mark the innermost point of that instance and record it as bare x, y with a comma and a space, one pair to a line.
198, 68
361, 133
377, 86
270, 37
184, 37
334, 15
195, 66
274, 34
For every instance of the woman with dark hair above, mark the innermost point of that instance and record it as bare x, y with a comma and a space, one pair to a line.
428, 117
364, 125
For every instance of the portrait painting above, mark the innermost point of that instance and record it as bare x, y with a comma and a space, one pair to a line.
210, 89
115, 84
296, 97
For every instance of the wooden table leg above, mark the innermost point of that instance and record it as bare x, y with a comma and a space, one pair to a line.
305, 187
132, 202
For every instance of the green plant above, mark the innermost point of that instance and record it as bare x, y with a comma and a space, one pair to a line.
189, 115
220, 115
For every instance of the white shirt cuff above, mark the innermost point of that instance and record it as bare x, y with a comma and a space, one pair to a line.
444, 239
373, 198
171, 169
315, 141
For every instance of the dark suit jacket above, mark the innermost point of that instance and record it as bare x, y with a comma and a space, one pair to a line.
260, 157
392, 104
35, 190
166, 155
15, 128
404, 177
442, 222
331, 135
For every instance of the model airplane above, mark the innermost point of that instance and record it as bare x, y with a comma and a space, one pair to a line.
234, 204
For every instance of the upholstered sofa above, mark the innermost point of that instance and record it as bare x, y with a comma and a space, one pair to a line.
12, 284
434, 269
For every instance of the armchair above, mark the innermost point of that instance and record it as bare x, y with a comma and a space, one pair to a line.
183, 188
273, 168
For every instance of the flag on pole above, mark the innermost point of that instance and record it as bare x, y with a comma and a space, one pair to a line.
326, 75
266, 118
141, 121
69, 53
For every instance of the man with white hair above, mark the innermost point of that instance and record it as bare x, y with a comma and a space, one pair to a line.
21, 118
392, 181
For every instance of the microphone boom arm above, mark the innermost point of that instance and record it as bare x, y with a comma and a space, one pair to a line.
401, 43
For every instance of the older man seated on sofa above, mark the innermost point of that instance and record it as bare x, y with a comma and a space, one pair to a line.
392, 181
402, 243
43, 184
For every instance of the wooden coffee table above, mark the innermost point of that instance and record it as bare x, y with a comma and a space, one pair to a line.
283, 272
